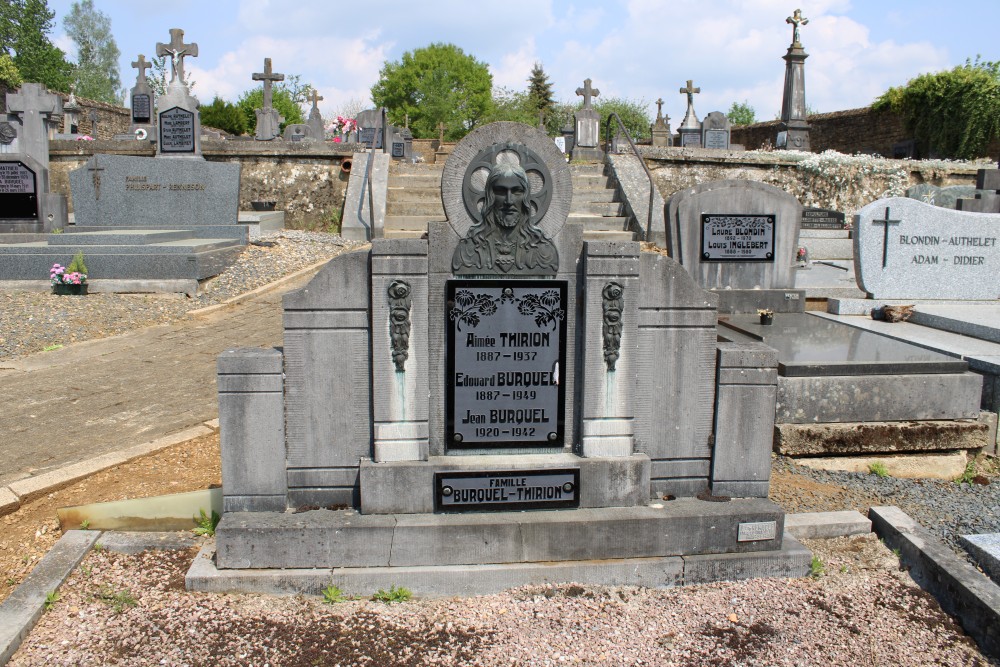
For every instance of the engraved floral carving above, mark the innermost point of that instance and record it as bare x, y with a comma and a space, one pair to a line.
613, 301
399, 322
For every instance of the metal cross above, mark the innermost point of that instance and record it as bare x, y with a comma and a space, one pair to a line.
885, 239
690, 90
176, 49
268, 76
796, 20
142, 65
95, 172
587, 92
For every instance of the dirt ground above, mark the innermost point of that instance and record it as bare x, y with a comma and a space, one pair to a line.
27, 534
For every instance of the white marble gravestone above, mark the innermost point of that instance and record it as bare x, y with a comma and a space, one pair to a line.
906, 249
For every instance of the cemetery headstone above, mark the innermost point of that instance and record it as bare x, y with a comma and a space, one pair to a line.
821, 218
660, 129
793, 131
946, 197
268, 119
317, 128
71, 110
95, 123
297, 132
586, 141
32, 110
715, 131
143, 101
178, 120
906, 249
689, 130
370, 128
988, 199
738, 238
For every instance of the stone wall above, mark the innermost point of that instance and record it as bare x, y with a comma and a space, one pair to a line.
111, 119
305, 179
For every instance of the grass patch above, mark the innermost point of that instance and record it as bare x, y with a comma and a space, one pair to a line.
50, 599
816, 568
878, 469
118, 600
334, 595
206, 524
392, 595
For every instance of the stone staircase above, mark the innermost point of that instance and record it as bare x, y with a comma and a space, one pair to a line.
414, 198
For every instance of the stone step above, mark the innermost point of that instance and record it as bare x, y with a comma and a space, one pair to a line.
824, 234
415, 194
395, 207
594, 194
605, 235
829, 248
411, 222
587, 169
596, 208
187, 245
610, 223
111, 238
414, 181
404, 233
415, 168
595, 181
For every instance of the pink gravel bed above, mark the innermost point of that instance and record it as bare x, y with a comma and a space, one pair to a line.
862, 611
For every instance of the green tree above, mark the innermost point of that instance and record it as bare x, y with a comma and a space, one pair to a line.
96, 72
281, 99
634, 115
24, 29
954, 113
439, 83
10, 78
741, 113
224, 116
512, 105
540, 90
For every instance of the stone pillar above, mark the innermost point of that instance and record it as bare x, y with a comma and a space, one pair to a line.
793, 131
744, 419
252, 430
609, 354
399, 349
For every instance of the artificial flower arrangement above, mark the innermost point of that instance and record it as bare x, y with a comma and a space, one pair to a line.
341, 126
74, 275
766, 315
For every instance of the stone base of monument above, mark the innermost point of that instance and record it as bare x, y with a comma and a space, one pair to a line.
258, 222
735, 301
791, 560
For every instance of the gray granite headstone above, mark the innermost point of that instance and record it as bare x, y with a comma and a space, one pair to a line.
126, 191
588, 126
31, 110
906, 249
177, 112
945, 197
735, 234
370, 128
317, 128
715, 131
297, 132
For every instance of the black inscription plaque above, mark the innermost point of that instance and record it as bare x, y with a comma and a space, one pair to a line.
506, 363
692, 139
177, 131
821, 218
370, 137
140, 109
398, 149
499, 490
18, 196
737, 238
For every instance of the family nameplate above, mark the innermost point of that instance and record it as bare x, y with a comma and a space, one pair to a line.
507, 490
506, 363
176, 131
17, 191
821, 218
716, 139
739, 238
140, 109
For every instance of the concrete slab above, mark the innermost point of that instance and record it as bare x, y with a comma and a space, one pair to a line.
129, 542
981, 322
880, 437
910, 466
960, 589
467, 580
985, 550
8, 501
22, 609
811, 525
863, 306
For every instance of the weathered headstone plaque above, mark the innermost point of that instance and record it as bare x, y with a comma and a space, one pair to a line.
742, 238
141, 109
506, 359
906, 249
18, 193
821, 218
177, 131
507, 490
692, 139
716, 131
716, 139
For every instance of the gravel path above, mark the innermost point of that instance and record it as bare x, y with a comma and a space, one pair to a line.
32, 322
131, 610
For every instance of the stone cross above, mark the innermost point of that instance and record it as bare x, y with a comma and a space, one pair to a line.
177, 50
441, 129
587, 92
36, 106
406, 123
94, 120
796, 20
659, 109
268, 76
885, 239
316, 98
690, 90
142, 65
95, 170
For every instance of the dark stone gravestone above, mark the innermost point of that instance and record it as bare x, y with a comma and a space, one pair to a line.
178, 118
715, 131
18, 191
821, 218
177, 131
370, 128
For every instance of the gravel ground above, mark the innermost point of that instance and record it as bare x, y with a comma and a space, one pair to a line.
132, 610
31, 321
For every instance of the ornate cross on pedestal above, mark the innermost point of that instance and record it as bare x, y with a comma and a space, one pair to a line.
142, 65
441, 129
659, 109
177, 50
268, 76
587, 92
316, 99
885, 239
796, 20
690, 90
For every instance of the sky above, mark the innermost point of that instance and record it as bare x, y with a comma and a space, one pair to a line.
641, 50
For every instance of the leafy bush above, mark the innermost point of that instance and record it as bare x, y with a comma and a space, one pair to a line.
634, 115
741, 113
77, 265
281, 99
224, 116
394, 594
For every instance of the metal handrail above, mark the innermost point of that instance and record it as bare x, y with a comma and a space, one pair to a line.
649, 175
366, 182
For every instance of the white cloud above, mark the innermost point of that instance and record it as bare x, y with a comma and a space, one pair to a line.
515, 66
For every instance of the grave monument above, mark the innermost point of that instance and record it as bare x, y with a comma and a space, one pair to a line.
268, 119
177, 114
587, 139
143, 102
793, 131
430, 392
987, 200
715, 131
317, 127
26, 204
689, 131
660, 129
